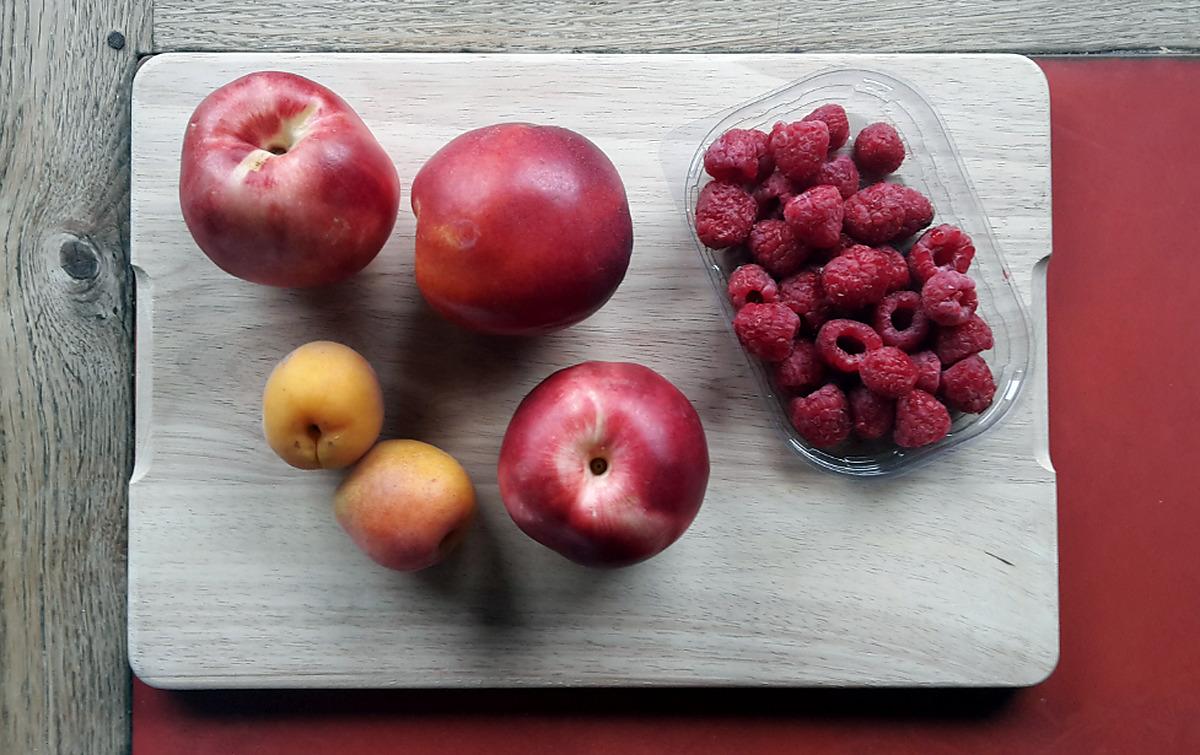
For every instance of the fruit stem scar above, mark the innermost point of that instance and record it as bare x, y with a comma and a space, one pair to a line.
286, 137
252, 162
598, 466
313, 431
291, 131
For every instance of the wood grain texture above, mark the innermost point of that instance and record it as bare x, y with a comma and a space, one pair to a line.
239, 575
65, 364
676, 26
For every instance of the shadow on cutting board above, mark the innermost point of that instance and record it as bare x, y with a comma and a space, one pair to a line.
975, 704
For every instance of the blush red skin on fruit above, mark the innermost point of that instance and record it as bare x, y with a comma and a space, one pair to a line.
656, 452
521, 229
314, 215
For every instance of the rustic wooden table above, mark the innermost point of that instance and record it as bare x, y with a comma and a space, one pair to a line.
66, 326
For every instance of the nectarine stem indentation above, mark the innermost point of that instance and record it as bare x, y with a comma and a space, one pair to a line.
598, 466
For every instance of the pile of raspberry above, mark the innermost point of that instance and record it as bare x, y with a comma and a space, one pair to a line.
865, 340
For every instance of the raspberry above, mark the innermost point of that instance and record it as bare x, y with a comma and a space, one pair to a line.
766, 330
875, 215
834, 118
959, 341
766, 163
771, 192
840, 173
918, 211
802, 371
898, 276
738, 156
803, 294
878, 149
872, 415
799, 148
968, 385
842, 343
822, 417
900, 321
774, 246
888, 371
750, 284
949, 298
816, 216
942, 247
929, 370
724, 215
858, 277
920, 420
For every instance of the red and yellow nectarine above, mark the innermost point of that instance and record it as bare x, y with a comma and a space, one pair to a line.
521, 229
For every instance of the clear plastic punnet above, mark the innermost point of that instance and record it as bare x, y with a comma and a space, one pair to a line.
934, 168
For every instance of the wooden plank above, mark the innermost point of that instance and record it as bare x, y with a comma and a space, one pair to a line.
1041, 26
239, 575
65, 364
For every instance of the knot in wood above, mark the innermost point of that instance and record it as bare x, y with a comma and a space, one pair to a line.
79, 259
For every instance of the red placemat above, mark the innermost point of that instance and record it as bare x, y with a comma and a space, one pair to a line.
1125, 405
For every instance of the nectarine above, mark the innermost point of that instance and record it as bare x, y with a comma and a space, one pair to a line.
521, 229
605, 462
281, 182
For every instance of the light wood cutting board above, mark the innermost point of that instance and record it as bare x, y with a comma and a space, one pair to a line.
239, 576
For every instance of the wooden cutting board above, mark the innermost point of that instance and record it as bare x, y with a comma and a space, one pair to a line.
239, 576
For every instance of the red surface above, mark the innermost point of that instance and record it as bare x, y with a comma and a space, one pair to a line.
1125, 344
